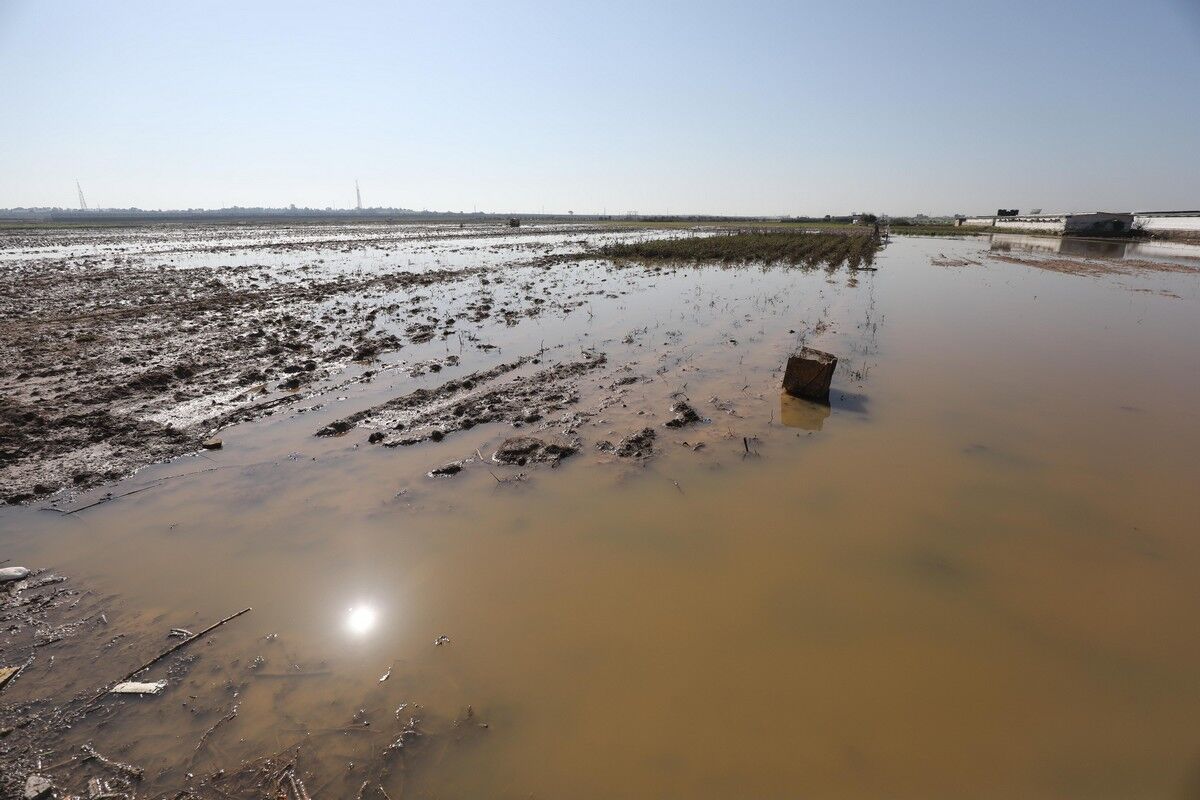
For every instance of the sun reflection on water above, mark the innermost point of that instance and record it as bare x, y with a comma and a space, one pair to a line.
361, 619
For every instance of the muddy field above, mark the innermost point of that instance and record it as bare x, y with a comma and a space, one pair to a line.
524, 512
119, 355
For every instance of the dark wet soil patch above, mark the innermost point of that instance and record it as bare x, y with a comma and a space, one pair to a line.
684, 415
522, 450
638, 445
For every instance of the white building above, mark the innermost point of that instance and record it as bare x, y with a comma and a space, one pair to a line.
1043, 223
1168, 222
1098, 222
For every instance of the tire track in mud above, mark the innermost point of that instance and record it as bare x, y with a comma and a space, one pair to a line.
463, 403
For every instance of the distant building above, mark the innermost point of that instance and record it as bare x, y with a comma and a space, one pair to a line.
1168, 222
1095, 223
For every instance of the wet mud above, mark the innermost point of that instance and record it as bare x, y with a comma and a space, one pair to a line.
476, 399
116, 360
110, 369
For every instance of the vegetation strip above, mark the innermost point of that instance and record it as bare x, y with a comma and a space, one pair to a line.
790, 247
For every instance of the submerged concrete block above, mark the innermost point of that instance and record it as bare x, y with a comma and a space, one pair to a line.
804, 414
809, 374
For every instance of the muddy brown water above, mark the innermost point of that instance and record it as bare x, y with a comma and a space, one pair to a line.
976, 574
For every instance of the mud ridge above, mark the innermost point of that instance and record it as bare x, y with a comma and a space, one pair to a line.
431, 414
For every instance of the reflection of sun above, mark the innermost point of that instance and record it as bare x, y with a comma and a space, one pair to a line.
360, 619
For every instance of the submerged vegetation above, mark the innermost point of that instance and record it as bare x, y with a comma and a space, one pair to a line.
856, 250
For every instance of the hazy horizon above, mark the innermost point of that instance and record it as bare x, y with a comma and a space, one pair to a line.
811, 109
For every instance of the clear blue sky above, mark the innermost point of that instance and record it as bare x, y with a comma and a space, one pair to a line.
757, 108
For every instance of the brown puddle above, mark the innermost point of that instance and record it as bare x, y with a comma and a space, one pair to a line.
973, 574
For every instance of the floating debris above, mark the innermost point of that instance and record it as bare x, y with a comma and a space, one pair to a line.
7, 674
8, 574
128, 770
139, 687
37, 786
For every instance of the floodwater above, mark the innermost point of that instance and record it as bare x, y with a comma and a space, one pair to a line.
1165, 251
975, 574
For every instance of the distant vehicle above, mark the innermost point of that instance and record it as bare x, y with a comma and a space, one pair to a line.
1007, 212
514, 222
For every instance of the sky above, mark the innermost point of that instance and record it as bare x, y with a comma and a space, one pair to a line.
671, 108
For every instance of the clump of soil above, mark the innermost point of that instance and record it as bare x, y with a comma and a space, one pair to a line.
684, 415
522, 450
635, 445
446, 470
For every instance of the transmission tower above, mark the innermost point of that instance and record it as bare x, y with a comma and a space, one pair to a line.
82, 202
357, 197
